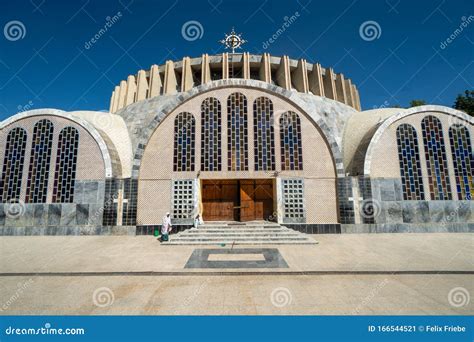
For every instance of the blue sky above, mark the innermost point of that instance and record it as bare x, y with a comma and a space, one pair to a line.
48, 65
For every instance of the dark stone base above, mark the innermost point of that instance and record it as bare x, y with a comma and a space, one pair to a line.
308, 228
69, 230
408, 228
272, 258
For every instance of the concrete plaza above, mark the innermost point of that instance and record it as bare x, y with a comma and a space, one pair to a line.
343, 274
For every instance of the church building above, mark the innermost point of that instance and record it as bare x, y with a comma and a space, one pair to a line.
237, 137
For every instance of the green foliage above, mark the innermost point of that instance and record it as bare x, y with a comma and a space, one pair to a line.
416, 103
465, 102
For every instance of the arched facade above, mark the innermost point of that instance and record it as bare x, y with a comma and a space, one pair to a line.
249, 145
418, 163
58, 172
186, 137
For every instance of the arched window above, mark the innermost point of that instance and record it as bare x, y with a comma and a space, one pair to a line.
40, 161
184, 138
263, 133
463, 160
13, 161
436, 163
237, 133
66, 164
410, 167
290, 142
211, 131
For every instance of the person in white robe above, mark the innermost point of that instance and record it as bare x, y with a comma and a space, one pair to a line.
166, 227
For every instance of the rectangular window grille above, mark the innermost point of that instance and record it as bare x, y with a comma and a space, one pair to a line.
12, 173
211, 132
110, 202
264, 140
184, 139
463, 160
436, 163
410, 166
290, 142
130, 193
40, 161
183, 199
237, 133
66, 164
293, 199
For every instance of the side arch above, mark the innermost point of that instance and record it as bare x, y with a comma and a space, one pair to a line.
106, 155
457, 116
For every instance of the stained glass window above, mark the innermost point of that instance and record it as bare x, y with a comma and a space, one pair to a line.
463, 160
237, 132
264, 137
410, 166
184, 138
436, 163
13, 161
290, 142
211, 131
66, 164
40, 161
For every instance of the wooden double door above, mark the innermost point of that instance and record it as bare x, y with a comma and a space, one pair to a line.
237, 199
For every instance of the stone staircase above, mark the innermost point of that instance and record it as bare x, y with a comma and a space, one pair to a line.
233, 233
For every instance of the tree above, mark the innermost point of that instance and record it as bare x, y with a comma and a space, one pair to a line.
465, 102
416, 103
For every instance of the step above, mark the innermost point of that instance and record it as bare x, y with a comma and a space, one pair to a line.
237, 233
220, 233
237, 242
240, 227
240, 239
240, 231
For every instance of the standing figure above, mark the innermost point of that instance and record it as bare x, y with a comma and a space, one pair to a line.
166, 227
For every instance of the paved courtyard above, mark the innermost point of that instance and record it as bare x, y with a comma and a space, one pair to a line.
343, 274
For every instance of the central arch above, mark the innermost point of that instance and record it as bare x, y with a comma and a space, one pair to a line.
280, 189
284, 94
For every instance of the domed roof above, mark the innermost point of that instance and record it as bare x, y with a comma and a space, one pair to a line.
175, 77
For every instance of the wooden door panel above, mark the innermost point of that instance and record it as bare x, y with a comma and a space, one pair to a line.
219, 199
